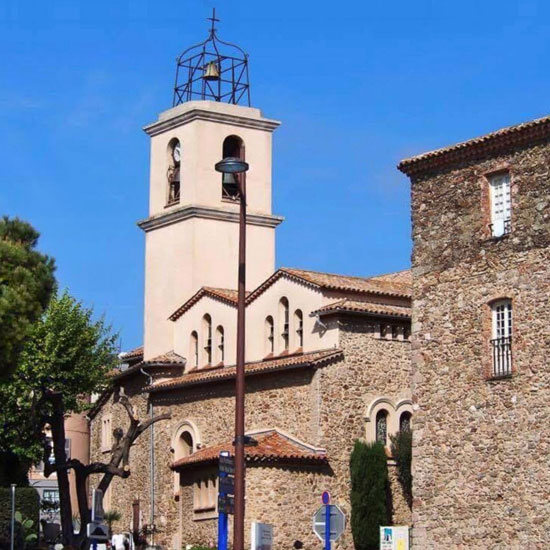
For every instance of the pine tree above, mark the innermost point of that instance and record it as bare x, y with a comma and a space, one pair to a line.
369, 494
26, 285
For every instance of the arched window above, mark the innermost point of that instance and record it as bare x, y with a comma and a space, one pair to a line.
299, 327
220, 344
184, 445
233, 146
173, 173
284, 323
269, 335
207, 334
382, 426
194, 349
405, 422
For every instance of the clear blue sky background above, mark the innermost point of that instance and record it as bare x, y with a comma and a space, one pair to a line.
358, 85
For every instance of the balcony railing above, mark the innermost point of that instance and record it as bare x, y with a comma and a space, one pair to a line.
499, 229
502, 356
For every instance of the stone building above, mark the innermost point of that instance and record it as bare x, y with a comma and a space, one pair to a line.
481, 339
328, 356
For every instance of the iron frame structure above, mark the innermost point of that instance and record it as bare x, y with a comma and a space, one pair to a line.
232, 86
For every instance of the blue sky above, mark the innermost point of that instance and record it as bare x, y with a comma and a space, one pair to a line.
358, 86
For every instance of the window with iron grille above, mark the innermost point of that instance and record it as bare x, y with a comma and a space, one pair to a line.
501, 341
382, 427
501, 204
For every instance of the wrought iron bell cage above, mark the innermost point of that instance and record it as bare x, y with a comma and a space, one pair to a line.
212, 70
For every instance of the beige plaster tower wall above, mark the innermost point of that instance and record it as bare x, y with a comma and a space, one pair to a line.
194, 242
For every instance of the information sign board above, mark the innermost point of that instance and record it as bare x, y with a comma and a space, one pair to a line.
261, 536
226, 485
226, 504
227, 464
394, 537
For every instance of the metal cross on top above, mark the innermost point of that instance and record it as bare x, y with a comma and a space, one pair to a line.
213, 19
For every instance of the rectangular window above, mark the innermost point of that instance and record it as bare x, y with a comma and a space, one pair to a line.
501, 204
51, 495
501, 341
106, 433
204, 496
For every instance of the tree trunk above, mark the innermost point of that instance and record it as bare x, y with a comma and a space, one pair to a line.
58, 439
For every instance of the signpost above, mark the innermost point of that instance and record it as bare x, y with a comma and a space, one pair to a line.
395, 537
226, 502
261, 536
96, 530
329, 522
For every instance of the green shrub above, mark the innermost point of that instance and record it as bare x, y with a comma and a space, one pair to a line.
369, 494
27, 503
401, 450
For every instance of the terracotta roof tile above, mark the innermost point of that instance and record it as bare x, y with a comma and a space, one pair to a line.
135, 353
366, 307
225, 295
199, 376
272, 446
166, 360
511, 136
380, 285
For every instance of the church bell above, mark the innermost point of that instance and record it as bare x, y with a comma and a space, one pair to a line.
229, 179
211, 71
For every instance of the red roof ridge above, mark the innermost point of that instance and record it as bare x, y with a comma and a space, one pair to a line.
276, 363
492, 142
225, 295
272, 445
344, 283
358, 306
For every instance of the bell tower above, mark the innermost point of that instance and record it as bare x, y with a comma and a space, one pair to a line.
191, 234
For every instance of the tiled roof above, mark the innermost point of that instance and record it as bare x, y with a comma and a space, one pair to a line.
355, 306
135, 353
404, 277
166, 360
511, 136
225, 295
214, 374
272, 446
345, 283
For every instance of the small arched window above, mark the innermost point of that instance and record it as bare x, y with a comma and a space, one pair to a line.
173, 173
194, 349
184, 445
285, 322
382, 426
233, 146
220, 344
207, 333
269, 334
405, 422
299, 324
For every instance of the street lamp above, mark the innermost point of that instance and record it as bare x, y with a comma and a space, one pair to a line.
232, 165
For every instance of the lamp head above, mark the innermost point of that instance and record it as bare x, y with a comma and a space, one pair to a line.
231, 165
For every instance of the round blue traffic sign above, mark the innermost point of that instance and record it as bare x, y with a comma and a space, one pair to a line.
326, 497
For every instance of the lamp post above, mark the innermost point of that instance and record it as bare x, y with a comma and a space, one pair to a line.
232, 165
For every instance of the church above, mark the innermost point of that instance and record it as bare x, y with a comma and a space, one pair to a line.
327, 355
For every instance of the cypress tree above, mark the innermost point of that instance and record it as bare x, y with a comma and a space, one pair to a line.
369, 494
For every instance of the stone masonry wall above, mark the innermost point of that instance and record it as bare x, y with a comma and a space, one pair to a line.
324, 407
481, 448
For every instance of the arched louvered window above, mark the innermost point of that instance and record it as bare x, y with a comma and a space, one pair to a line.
233, 146
284, 320
207, 335
299, 327
220, 344
382, 427
174, 172
194, 349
